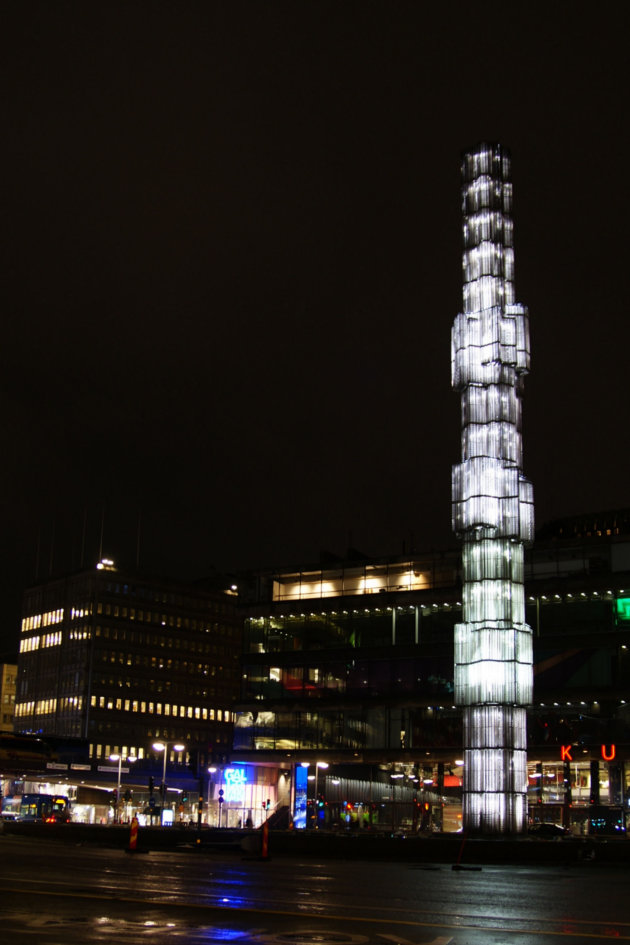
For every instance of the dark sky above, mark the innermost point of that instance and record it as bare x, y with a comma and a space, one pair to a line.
232, 260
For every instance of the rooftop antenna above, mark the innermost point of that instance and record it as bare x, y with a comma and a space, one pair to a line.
52, 550
138, 533
100, 547
37, 552
82, 558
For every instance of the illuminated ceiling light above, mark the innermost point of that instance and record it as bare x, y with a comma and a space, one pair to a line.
106, 564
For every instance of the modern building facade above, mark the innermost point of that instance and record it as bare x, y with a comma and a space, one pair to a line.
492, 505
116, 662
349, 669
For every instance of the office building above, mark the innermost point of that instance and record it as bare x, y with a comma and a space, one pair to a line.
118, 661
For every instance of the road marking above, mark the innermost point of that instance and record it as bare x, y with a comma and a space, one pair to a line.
440, 940
611, 930
310, 937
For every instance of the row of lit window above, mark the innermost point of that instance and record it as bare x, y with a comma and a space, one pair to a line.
74, 703
77, 613
176, 666
104, 751
37, 643
159, 708
42, 620
165, 620
41, 707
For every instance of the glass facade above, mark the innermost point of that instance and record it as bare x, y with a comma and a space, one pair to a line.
368, 686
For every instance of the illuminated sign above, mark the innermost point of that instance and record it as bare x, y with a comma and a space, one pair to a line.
301, 788
622, 606
236, 779
608, 752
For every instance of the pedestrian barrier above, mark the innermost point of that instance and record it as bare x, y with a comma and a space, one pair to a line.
133, 835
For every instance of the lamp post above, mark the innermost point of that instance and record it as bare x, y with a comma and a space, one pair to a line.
119, 758
163, 746
211, 771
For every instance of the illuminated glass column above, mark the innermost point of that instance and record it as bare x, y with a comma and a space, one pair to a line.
492, 505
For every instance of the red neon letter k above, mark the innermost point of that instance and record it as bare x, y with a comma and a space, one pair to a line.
565, 753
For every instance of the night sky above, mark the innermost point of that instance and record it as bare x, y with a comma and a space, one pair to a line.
232, 259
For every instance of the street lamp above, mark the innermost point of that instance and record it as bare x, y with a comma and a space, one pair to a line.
163, 746
119, 758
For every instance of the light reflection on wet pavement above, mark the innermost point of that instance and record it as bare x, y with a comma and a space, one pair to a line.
87, 896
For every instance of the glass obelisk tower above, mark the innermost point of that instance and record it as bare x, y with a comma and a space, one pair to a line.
492, 505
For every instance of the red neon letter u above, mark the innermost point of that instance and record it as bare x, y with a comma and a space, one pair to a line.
610, 756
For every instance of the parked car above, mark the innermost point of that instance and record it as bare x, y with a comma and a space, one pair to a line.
548, 832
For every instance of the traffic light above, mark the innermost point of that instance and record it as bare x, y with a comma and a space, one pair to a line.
185, 797
151, 785
114, 797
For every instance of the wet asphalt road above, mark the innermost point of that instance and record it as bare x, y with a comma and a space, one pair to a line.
54, 893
